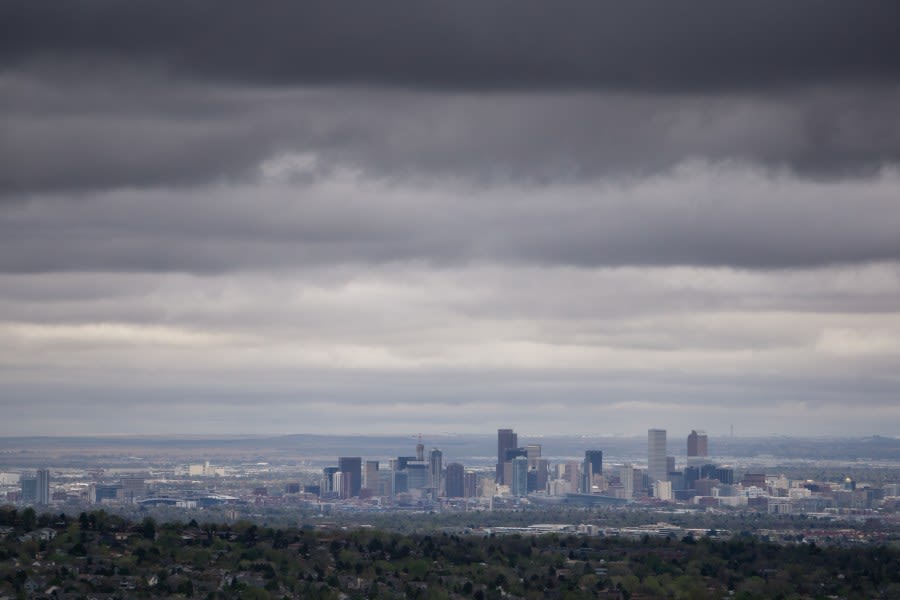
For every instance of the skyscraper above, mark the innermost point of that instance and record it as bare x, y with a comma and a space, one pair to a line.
371, 480
28, 487
592, 467
533, 452
697, 445
420, 449
595, 459
626, 476
455, 481
43, 486
351, 466
657, 465
436, 467
328, 474
506, 440
519, 484
538, 475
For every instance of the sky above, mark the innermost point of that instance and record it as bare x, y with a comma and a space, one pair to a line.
397, 217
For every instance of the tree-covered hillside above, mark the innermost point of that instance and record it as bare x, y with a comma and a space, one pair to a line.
102, 555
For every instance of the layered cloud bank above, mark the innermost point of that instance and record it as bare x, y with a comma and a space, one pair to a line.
449, 217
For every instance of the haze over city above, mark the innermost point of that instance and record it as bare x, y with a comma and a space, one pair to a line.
578, 218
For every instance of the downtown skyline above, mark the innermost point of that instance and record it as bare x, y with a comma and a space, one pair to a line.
567, 219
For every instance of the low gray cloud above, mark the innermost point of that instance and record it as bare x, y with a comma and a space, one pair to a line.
696, 214
463, 216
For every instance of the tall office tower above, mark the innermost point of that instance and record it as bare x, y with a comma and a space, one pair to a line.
519, 484
691, 474
595, 458
401, 482
570, 473
657, 465
541, 472
328, 474
371, 480
506, 440
533, 452
28, 486
351, 466
341, 484
697, 445
385, 487
470, 484
418, 476
511, 454
435, 470
592, 467
420, 450
639, 484
43, 486
626, 476
456, 481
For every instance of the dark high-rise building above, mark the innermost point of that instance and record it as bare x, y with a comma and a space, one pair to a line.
28, 486
401, 482
512, 453
595, 458
593, 466
402, 461
708, 471
697, 445
456, 481
506, 440
540, 471
435, 470
351, 466
418, 475
105, 492
691, 474
724, 474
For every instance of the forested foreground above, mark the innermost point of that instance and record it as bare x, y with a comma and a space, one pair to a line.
101, 555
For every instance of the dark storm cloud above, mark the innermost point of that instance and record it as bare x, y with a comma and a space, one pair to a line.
699, 44
132, 129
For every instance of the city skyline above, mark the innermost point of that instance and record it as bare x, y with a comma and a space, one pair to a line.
222, 219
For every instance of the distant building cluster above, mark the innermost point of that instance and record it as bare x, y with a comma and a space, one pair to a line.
520, 474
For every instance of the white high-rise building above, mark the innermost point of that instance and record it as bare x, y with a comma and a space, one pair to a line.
662, 490
657, 464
